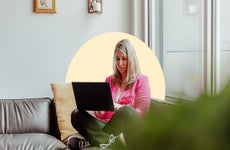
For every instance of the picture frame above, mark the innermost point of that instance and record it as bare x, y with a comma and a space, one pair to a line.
94, 6
45, 6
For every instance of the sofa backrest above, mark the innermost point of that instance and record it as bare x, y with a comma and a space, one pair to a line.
32, 115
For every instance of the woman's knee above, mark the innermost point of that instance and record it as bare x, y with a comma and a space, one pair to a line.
127, 110
74, 116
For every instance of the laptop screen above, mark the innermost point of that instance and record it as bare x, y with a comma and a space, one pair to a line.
93, 96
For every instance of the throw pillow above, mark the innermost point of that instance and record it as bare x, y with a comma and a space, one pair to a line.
65, 104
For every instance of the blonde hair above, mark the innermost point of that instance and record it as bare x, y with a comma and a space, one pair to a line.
126, 47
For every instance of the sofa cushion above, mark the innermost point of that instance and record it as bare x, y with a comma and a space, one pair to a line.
25, 115
29, 141
65, 104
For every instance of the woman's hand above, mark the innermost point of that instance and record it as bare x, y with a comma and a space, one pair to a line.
117, 106
99, 113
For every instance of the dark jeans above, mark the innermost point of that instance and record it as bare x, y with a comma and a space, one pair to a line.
125, 120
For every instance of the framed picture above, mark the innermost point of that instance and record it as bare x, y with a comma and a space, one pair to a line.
44, 6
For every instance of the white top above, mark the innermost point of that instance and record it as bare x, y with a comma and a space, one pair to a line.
118, 94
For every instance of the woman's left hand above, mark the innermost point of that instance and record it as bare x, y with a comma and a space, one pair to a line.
117, 106
99, 113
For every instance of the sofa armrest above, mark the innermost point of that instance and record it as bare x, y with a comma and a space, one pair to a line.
160, 105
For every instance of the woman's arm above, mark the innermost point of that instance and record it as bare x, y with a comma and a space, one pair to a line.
104, 115
143, 95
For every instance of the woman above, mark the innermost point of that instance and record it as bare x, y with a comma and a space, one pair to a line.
131, 95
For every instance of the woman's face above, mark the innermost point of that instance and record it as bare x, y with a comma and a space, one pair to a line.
121, 62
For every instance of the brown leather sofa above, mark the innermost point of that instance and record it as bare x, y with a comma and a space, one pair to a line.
29, 124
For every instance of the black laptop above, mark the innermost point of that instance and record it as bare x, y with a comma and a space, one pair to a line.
93, 96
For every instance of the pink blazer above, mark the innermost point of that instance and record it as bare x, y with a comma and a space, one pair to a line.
138, 96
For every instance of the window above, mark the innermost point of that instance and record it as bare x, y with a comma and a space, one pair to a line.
191, 39
224, 31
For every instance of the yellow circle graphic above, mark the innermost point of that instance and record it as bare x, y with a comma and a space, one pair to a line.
93, 61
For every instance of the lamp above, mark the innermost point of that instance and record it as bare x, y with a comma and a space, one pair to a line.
94, 6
